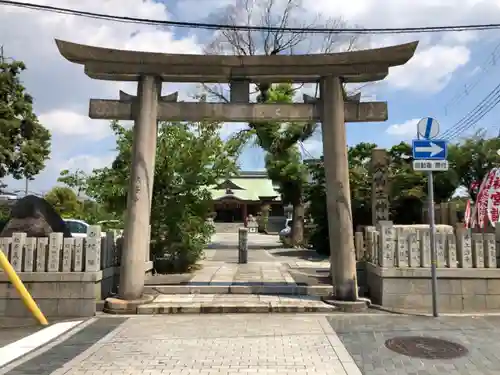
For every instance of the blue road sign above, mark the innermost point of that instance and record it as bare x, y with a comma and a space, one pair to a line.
427, 128
429, 149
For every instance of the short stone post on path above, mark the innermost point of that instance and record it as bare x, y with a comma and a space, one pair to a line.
242, 245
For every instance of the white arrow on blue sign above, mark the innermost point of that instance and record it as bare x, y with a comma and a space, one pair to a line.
427, 149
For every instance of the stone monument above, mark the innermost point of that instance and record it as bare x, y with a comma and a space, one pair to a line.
332, 109
35, 217
380, 186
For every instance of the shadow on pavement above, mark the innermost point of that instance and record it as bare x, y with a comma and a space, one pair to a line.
304, 254
229, 246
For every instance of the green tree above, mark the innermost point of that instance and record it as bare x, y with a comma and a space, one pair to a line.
359, 157
64, 201
360, 177
472, 157
283, 158
24, 142
408, 190
282, 155
190, 157
76, 180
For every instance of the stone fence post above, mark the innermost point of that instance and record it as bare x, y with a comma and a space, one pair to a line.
242, 245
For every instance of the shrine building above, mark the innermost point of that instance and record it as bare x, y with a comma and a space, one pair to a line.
245, 194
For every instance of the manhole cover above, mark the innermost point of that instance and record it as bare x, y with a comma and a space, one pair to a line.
425, 347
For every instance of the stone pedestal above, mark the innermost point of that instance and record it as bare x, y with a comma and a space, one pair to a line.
441, 250
425, 247
451, 251
477, 250
414, 251
490, 251
387, 244
402, 253
464, 248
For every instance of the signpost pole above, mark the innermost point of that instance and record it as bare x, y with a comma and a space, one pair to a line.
430, 194
429, 154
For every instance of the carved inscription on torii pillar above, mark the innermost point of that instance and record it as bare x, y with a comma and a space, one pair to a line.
333, 109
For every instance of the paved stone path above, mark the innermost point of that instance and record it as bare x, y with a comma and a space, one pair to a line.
364, 338
264, 344
211, 345
267, 265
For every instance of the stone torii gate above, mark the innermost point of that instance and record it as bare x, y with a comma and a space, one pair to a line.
331, 109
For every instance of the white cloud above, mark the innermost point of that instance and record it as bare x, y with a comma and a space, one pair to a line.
407, 129
397, 13
62, 90
88, 163
439, 55
68, 123
430, 69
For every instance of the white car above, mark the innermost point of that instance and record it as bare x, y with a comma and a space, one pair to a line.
285, 232
78, 228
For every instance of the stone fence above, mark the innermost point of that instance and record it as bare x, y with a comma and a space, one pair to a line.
66, 276
397, 260
409, 246
58, 254
444, 213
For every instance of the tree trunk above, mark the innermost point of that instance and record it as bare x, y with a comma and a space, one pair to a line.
297, 235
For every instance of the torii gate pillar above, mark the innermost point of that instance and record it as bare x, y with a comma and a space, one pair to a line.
338, 195
140, 192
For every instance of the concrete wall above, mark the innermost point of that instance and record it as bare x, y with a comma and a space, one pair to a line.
459, 290
61, 294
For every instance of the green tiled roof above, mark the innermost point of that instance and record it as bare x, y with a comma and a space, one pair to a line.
247, 186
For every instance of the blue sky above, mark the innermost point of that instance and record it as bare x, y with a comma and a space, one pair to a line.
443, 67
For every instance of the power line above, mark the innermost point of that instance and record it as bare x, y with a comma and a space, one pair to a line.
215, 26
474, 116
471, 118
304, 150
468, 88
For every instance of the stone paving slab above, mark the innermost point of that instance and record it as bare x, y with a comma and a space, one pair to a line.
217, 345
311, 276
364, 338
259, 278
228, 288
239, 274
231, 256
233, 303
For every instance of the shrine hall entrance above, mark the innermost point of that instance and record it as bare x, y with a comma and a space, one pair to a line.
232, 210
229, 215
